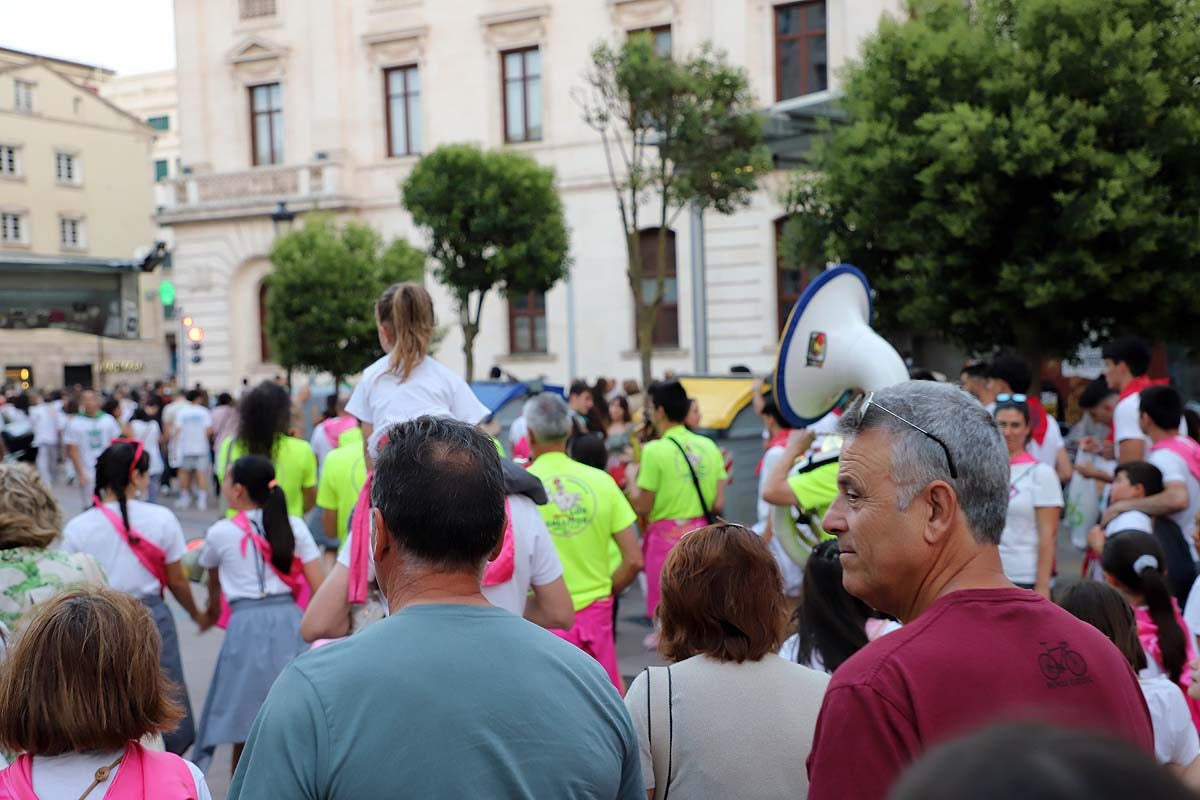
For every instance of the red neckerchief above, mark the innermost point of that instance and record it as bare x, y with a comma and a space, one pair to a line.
1135, 386
1038, 418
778, 440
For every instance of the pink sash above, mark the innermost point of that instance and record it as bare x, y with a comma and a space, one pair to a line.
1185, 448
148, 554
360, 544
293, 579
334, 427
501, 570
142, 774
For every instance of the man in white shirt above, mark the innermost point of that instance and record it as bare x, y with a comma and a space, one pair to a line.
192, 437
170, 410
44, 416
86, 436
1177, 458
1126, 361
1010, 375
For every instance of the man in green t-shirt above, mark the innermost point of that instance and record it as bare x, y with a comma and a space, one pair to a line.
341, 481
666, 481
586, 513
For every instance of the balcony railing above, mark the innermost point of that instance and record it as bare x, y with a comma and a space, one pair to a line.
319, 184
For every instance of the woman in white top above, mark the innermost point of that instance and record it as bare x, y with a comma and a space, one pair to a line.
259, 561
139, 546
146, 430
78, 691
1176, 742
1035, 503
727, 718
406, 383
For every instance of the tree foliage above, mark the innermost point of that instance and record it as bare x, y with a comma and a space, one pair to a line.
674, 133
321, 294
1018, 173
494, 220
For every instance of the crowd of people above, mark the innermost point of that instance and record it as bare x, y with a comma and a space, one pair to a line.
405, 605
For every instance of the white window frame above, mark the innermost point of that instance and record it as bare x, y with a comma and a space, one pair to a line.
78, 229
74, 167
10, 153
22, 223
25, 107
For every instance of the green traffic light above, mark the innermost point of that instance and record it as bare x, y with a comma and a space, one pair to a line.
166, 293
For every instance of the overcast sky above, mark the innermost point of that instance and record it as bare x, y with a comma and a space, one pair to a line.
129, 36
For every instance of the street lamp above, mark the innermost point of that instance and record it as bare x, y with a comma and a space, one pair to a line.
281, 218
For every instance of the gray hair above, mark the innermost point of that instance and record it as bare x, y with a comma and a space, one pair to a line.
548, 417
970, 434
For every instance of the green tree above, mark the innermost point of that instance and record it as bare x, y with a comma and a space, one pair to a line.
494, 220
321, 294
674, 134
1021, 174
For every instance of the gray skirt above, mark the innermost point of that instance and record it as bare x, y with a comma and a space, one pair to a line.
262, 637
180, 739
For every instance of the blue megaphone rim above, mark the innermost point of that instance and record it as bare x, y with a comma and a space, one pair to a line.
785, 341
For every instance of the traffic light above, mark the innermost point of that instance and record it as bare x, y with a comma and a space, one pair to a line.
195, 336
166, 295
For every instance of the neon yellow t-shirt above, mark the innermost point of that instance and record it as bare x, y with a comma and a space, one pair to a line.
585, 511
342, 479
295, 468
815, 491
665, 472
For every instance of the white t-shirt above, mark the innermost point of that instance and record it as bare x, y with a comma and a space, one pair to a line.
518, 430
170, 412
1030, 486
1127, 421
240, 573
44, 417
793, 573
1175, 737
535, 561
1052, 442
193, 423
381, 398
1129, 521
148, 433
1174, 470
69, 774
320, 445
92, 533
92, 435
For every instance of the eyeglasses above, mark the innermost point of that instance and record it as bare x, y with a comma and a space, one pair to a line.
137, 455
1011, 398
869, 403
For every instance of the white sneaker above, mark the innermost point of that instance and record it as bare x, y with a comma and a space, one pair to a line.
183, 502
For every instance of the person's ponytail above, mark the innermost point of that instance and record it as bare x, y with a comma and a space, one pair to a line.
1172, 641
405, 310
257, 475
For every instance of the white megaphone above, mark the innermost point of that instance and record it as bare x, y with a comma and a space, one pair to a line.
828, 348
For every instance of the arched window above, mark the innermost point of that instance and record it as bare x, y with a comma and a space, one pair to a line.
666, 324
264, 346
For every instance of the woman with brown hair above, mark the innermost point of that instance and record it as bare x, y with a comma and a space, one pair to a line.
728, 718
80, 687
30, 522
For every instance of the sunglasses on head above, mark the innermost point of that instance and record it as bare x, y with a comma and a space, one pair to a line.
137, 454
869, 403
1011, 398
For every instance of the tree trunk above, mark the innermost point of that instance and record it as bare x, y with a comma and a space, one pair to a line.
470, 331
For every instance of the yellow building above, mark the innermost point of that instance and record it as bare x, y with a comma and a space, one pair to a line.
77, 304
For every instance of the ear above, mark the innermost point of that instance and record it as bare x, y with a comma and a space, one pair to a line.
492, 556
382, 539
529, 434
942, 512
1111, 581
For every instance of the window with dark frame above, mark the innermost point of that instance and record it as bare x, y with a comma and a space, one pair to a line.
527, 322
661, 34
402, 105
266, 124
790, 282
800, 49
666, 322
264, 345
159, 123
160, 170
522, 85
249, 9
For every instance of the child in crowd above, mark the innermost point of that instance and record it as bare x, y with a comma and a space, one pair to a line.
260, 560
1134, 564
1176, 742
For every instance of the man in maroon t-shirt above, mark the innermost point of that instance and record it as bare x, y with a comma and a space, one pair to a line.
922, 496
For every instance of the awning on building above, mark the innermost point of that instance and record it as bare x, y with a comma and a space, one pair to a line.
793, 126
720, 399
29, 262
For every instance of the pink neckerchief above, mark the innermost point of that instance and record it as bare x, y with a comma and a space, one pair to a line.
334, 427
141, 774
1022, 458
148, 554
501, 570
1184, 447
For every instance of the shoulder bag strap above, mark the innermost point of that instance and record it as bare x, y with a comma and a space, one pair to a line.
709, 516
662, 737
